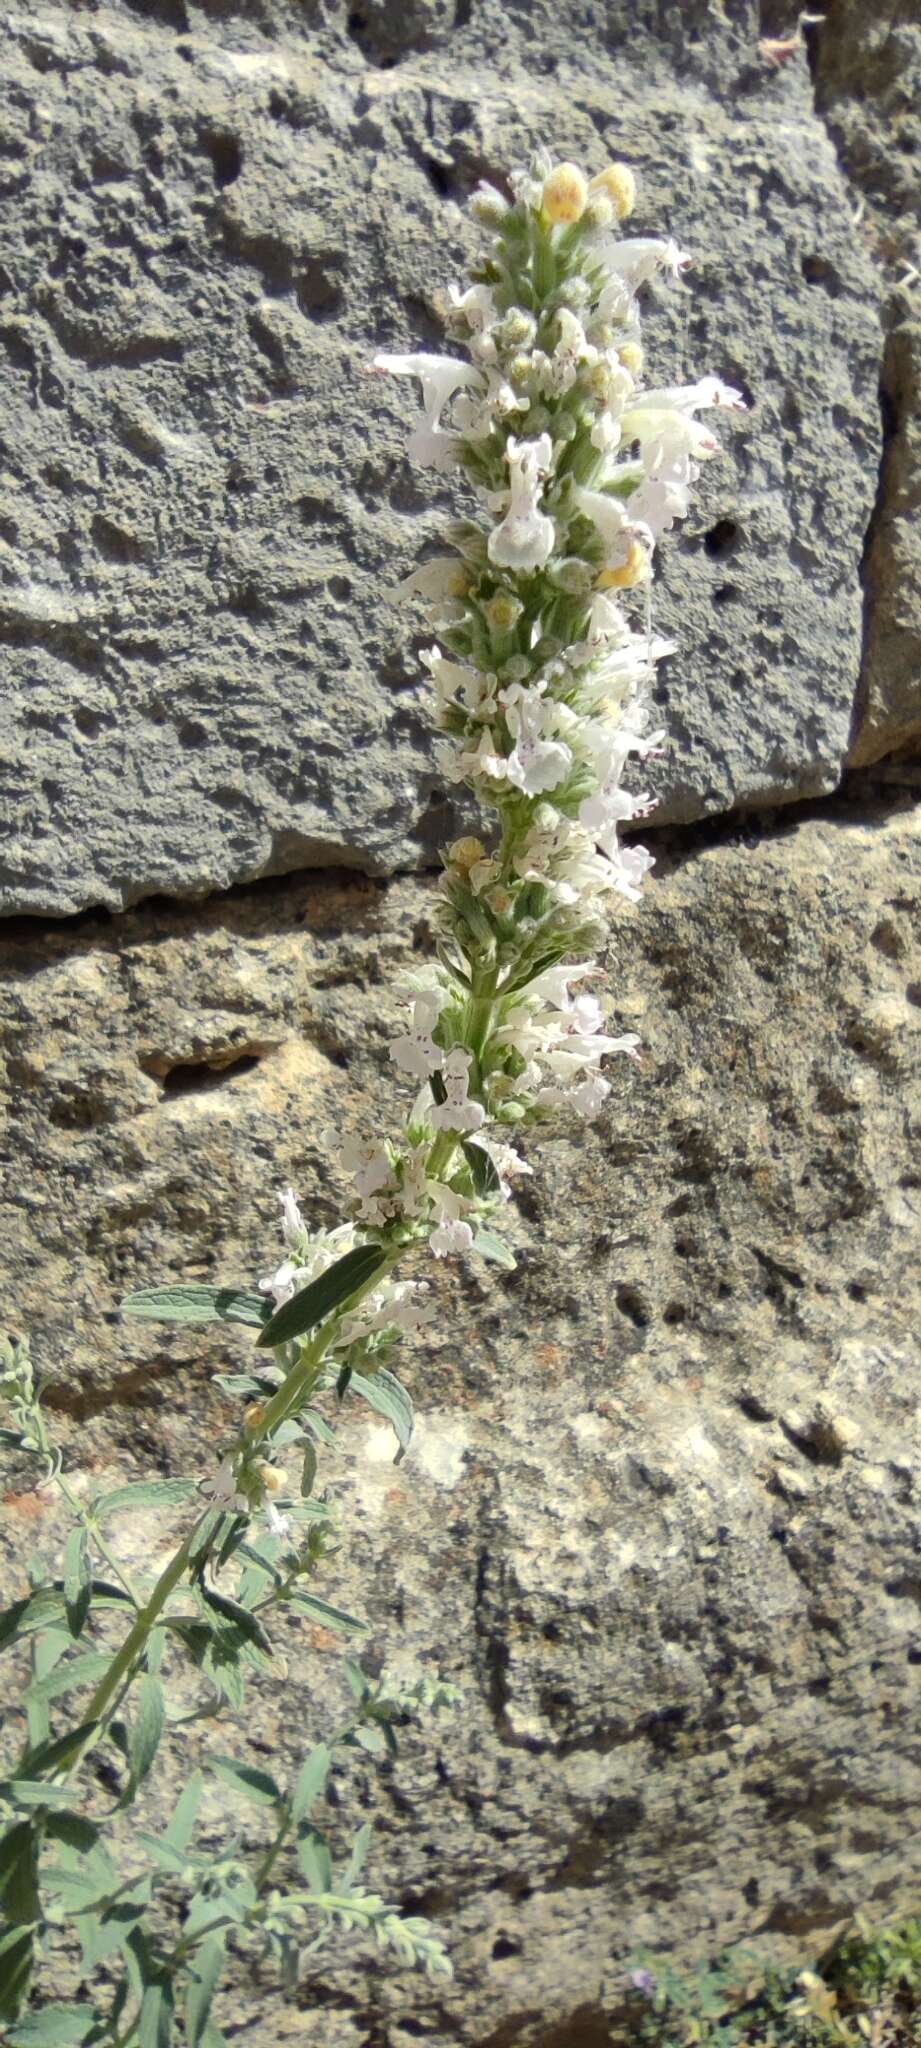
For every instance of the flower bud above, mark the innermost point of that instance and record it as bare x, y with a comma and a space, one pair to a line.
503, 611
489, 206
631, 355
618, 184
464, 853
564, 196
516, 329
599, 212
273, 1478
634, 570
572, 575
254, 1415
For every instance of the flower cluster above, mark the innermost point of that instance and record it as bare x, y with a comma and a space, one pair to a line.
541, 674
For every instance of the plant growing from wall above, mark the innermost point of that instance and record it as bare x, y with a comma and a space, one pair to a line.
541, 674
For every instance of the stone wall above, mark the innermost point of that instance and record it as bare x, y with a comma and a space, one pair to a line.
659, 1520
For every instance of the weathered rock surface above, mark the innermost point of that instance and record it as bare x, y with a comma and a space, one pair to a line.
868, 91
660, 1520
213, 214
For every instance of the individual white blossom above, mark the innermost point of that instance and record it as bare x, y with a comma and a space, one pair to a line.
415, 1052
524, 539
457, 1112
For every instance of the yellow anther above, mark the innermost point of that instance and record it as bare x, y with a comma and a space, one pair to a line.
466, 852
631, 355
628, 573
619, 185
564, 196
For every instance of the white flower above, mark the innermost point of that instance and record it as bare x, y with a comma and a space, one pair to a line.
665, 432
610, 519
524, 539
455, 1236
222, 1489
277, 1525
664, 494
636, 260
431, 445
292, 1220
535, 764
416, 1052
371, 1169
285, 1282
688, 397
457, 1112
629, 865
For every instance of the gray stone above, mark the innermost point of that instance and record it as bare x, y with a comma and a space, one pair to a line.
213, 216
660, 1519
868, 91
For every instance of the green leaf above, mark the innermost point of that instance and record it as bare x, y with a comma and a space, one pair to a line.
318, 1300
194, 1304
313, 1774
485, 1173
80, 1671
328, 1617
37, 1610
185, 1813
373, 1740
144, 1493
384, 1393
256, 1784
208, 1964
308, 1470
116, 1927
231, 1610
490, 1247
314, 1858
77, 1589
19, 1894
38, 1792
147, 1729
155, 2020
358, 1857
47, 1755
16, 1956
54, 2026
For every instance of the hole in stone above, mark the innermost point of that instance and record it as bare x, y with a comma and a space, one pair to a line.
503, 1947
632, 1306
818, 270
226, 157
722, 539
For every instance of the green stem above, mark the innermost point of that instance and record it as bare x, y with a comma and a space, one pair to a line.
133, 1646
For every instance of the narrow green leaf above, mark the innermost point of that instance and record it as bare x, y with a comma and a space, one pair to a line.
312, 1777
121, 1923
314, 1858
54, 2027
231, 1610
485, 1173
322, 1296
208, 1964
83, 1670
37, 1610
373, 1740
19, 1894
358, 1857
155, 2020
77, 1593
144, 1493
319, 1427
16, 1957
308, 1470
490, 1247
322, 1612
38, 1792
384, 1393
185, 1813
13, 1440
256, 1784
147, 1729
47, 1755
194, 1304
